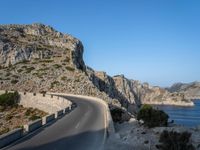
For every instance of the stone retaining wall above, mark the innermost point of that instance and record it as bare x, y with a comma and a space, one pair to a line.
47, 103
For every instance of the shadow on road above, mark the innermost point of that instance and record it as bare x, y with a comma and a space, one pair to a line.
91, 140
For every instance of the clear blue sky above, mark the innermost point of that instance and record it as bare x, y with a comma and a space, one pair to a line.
157, 41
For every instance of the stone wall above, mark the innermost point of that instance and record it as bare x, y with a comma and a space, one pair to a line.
46, 103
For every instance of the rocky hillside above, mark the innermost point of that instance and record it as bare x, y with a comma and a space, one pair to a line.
188, 89
37, 58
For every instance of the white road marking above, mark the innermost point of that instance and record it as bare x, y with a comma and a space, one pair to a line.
77, 125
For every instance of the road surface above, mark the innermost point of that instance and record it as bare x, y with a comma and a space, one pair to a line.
81, 129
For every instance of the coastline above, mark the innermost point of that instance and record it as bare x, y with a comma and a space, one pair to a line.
171, 103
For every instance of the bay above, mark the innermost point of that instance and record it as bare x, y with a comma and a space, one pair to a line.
185, 116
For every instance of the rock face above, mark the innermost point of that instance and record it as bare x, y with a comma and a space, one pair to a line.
37, 58
28, 42
190, 90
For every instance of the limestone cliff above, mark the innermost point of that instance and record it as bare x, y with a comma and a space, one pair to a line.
34, 42
37, 58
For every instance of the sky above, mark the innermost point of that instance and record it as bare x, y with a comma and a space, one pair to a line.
155, 41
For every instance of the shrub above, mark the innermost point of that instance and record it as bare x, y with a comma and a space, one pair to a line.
175, 141
29, 69
4, 130
9, 117
55, 83
47, 61
19, 70
14, 81
43, 69
152, 117
39, 74
9, 99
57, 66
63, 78
70, 68
116, 115
15, 76
28, 112
34, 117
8, 74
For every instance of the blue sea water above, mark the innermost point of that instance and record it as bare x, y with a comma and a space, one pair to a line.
186, 116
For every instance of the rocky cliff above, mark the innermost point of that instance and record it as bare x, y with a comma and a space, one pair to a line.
37, 58
35, 42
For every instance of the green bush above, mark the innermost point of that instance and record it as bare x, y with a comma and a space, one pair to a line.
175, 141
152, 117
9, 99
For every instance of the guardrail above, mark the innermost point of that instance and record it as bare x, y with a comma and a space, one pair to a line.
32, 126
59, 113
10, 137
16, 134
48, 119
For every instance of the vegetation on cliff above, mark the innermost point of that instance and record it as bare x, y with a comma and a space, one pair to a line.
9, 99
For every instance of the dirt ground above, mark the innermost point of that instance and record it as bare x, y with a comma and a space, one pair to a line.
17, 116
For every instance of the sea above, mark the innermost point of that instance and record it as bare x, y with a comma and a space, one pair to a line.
184, 116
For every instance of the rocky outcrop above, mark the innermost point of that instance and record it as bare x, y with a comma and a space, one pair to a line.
132, 93
190, 90
131, 135
37, 58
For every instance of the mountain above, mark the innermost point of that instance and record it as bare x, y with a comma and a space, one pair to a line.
188, 89
37, 58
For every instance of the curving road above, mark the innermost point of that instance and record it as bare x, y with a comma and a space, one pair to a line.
81, 129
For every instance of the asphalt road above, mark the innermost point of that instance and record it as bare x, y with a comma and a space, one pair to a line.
81, 129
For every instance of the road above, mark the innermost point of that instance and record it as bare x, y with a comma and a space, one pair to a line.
81, 129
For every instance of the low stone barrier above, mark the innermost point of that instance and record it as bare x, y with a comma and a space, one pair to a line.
58, 113
48, 119
10, 137
67, 110
43, 102
60, 106
33, 125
